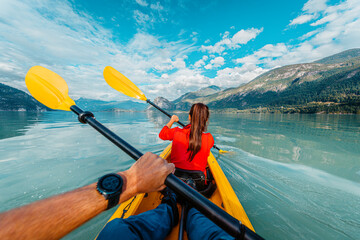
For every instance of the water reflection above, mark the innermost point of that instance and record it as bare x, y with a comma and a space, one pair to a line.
14, 124
327, 142
160, 119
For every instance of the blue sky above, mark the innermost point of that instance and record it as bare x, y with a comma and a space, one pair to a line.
169, 47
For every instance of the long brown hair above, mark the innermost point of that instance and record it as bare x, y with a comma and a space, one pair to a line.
199, 114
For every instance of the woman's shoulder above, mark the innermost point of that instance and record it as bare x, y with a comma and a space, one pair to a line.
208, 135
209, 139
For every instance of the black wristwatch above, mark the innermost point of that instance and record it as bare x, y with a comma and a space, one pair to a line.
110, 186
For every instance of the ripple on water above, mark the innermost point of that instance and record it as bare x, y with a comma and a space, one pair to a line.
314, 199
298, 200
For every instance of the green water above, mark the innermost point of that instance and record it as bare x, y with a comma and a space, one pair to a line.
297, 176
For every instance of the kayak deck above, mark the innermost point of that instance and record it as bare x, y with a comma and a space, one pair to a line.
224, 197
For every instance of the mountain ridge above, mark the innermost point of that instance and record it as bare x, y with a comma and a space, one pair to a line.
279, 87
331, 85
12, 99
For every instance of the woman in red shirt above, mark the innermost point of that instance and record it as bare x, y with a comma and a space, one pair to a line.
190, 145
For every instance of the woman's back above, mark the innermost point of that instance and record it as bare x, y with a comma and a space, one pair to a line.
191, 145
180, 155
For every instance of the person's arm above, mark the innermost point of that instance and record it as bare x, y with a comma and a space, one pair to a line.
167, 133
55, 217
173, 119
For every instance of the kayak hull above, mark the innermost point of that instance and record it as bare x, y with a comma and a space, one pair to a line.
224, 197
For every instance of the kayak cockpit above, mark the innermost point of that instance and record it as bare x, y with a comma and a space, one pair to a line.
221, 194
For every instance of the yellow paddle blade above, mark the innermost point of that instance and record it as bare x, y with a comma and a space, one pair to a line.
122, 84
223, 151
48, 88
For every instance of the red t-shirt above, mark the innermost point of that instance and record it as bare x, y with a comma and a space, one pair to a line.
180, 145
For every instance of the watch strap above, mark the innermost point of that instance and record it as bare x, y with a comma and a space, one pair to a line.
113, 201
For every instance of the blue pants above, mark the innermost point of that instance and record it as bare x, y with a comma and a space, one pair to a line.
157, 224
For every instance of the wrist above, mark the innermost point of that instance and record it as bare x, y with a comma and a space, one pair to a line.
129, 188
110, 186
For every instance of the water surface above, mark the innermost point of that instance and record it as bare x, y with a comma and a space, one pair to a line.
297, 176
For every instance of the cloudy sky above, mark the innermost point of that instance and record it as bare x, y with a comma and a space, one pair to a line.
169, 47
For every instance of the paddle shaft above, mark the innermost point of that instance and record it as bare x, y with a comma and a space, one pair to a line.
209, 209
182, 221
167, 114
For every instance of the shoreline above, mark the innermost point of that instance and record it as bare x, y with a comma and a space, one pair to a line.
216, 111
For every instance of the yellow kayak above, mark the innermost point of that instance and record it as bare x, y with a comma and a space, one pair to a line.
224, 197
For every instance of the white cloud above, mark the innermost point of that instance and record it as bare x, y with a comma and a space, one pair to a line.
178, 83
208, 66
230, 77
142, 3
164, 66
311, 10
272, 56
263, 55
196, 64
157, 6
326, 19
217, 62
244, 36
7, 67
142, 18
313, 6
225, 34
234, 42
331, 35
165, 76
179, 63
337, 29
302, 19
194, 35
78, 48
156, 13
217, 48
308, 35
201, 62
144, 43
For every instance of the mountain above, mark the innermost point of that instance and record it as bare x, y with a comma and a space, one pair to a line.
200, 93
162, 103
99, 105
12, 99
185, 101
331, 84
340, 57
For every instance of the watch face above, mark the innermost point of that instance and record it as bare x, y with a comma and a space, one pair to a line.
110, 186
110, 183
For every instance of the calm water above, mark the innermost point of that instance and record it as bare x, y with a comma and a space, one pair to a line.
297, 176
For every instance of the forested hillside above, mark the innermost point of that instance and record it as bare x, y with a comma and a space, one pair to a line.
12, 99
330, 85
